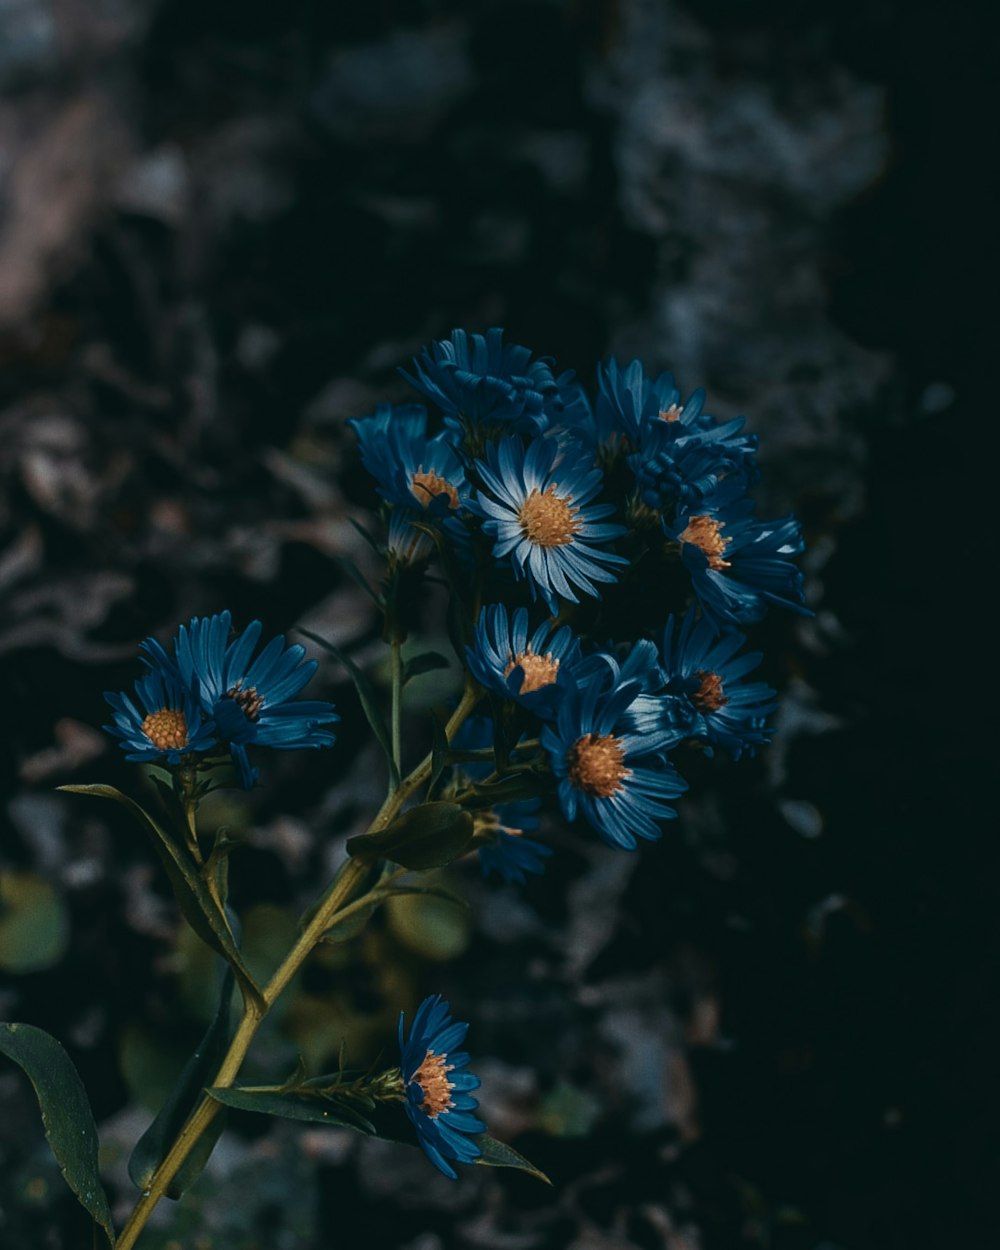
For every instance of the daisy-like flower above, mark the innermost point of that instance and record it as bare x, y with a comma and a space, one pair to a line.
606, 754
478, 380
704, 671
507, 852
167, 725
534, 670
412, 470
537, 506
250, 700
738, 565
437, 1088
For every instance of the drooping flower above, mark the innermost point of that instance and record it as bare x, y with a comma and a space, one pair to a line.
534, 670
251, 701
606, 747
438, 1094
704, 671
738, 565
537, 506
503, 848
167, 725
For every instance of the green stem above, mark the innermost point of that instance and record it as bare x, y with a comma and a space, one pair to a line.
338, 898
396, 653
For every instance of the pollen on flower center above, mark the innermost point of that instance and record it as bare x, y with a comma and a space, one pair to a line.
426, 486
539, 670
673, 413
547, 519
248, 701
166, 729
709, 696
594, 764
705, 533
432, 1078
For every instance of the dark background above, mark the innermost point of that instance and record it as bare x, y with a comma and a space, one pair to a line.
222, 229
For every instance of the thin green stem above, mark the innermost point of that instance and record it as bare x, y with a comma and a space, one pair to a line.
396, 653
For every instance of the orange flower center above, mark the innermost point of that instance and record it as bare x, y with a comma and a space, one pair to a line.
547, 519
166, 729
673, 413
709, 696
432, 1078
249, 701
705, 533
594, 764
539, 670
425, 487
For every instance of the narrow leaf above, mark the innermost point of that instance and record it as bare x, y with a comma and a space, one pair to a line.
515, 786
425, 662
439, 753
193, 897
66, 1115
153, 1146
359, 578
368, 697
428, 836
314, 1108
497, 1154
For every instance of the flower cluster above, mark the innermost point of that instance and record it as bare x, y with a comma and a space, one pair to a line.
208, 694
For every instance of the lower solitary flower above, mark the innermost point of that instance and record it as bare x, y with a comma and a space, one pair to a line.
438, 1098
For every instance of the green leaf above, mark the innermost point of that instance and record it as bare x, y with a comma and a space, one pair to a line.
357, 576
497, 1154
34, 929
154, 1145
66, 1115
439, 753
193, 897
314, 1108
368, 697
368, 536
521, 785
428, 836
425, 662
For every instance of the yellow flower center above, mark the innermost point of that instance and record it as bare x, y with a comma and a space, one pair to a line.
166, 729
249, 701
709, 696
425, 487
539, 670
432, 1079
547, 519
705, 533
594, 764
673, 413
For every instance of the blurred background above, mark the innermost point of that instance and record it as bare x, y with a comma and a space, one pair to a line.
222, 229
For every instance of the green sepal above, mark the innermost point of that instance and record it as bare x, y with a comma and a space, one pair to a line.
66, 1114
154, 1145
497, 1154
314, 1107
425, 662
369, 700
193, 896
428, 836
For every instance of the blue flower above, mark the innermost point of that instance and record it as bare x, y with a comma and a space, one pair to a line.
702, 669
477, 380
533, 671
438, 1098
606, 749
251, 701
507, 852
167, 725
537, 507
738, 565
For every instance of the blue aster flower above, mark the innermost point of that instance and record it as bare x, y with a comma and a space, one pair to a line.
702, 669
508, 853
439, 1101
606, 749
167, 725
250, 700
534, 670
537, 506
479, 381
738, 565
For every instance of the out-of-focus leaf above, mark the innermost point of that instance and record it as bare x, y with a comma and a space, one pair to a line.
66, 1115
314, 1108
369, 700
430, 925
358, 577
199, 907
497, 1154
34, 929
424, 662
153, 1146
428, 836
